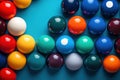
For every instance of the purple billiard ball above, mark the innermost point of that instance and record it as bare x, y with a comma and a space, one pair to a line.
55, 61
2, 27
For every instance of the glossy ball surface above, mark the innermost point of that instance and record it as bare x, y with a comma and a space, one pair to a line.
73, 61
96, 25
117, 45
65, 44
111, 64
109, 8
7, 44
45, 44
114, 26
16, 60
55, 61
3, 61
2, 26
7, 74
89, 7
104, 45
16, 26
82, 44
76, 25
93, 62
7, 10
56, 24
36, 61
70, 6
26, 44
22, 4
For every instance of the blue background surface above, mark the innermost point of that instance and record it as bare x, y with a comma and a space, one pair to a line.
37, 16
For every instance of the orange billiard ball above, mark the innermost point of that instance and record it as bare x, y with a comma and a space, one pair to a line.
111, 64
76, 25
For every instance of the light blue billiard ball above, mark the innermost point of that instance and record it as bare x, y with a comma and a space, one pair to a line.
96, 25
104, 45
65, 44
109, 8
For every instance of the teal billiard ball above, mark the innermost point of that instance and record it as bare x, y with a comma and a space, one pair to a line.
73, 62
36, 61
45, 44
55, 61
84, 44
109, 8
92, 62
104, 45
65, 44
96, 25
89, 7
70, 6
56, 24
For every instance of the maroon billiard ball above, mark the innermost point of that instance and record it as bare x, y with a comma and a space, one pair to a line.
117, 45
2, 27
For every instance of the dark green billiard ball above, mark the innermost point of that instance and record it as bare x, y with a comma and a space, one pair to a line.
56, 24
92, 62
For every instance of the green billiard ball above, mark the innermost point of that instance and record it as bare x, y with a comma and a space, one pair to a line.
45, 44
84, 44
36, 61
92, 62
56, 24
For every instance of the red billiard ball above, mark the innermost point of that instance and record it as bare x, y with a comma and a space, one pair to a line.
7, 44
7, 10
7, 74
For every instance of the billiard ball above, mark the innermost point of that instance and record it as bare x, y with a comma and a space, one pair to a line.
7, 10
73, 62
7, 74
70, 6
82, 44
114, 26
109, 8
7, 43
55, 61
89, 7
2, 26
16, 26
104, 45
117, 45
111, 64
22, 4
36, 61
96, 25
56, 24
76, 25
65, 44
16, 60
25, 44
3, 60
92, 62
45, 44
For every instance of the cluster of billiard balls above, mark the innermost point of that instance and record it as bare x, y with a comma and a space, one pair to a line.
64, 44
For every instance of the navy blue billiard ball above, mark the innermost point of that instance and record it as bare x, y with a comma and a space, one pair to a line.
89, 7
2, 61
109, 8
104, 45
65, 44
70, 6
96, 25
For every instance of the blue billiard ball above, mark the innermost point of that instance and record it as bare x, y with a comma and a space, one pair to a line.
65, 44
3, 61
70, 6
89, 7
96, 25
104, 45
109, 8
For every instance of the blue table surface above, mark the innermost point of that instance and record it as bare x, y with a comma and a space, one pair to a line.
37, 16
